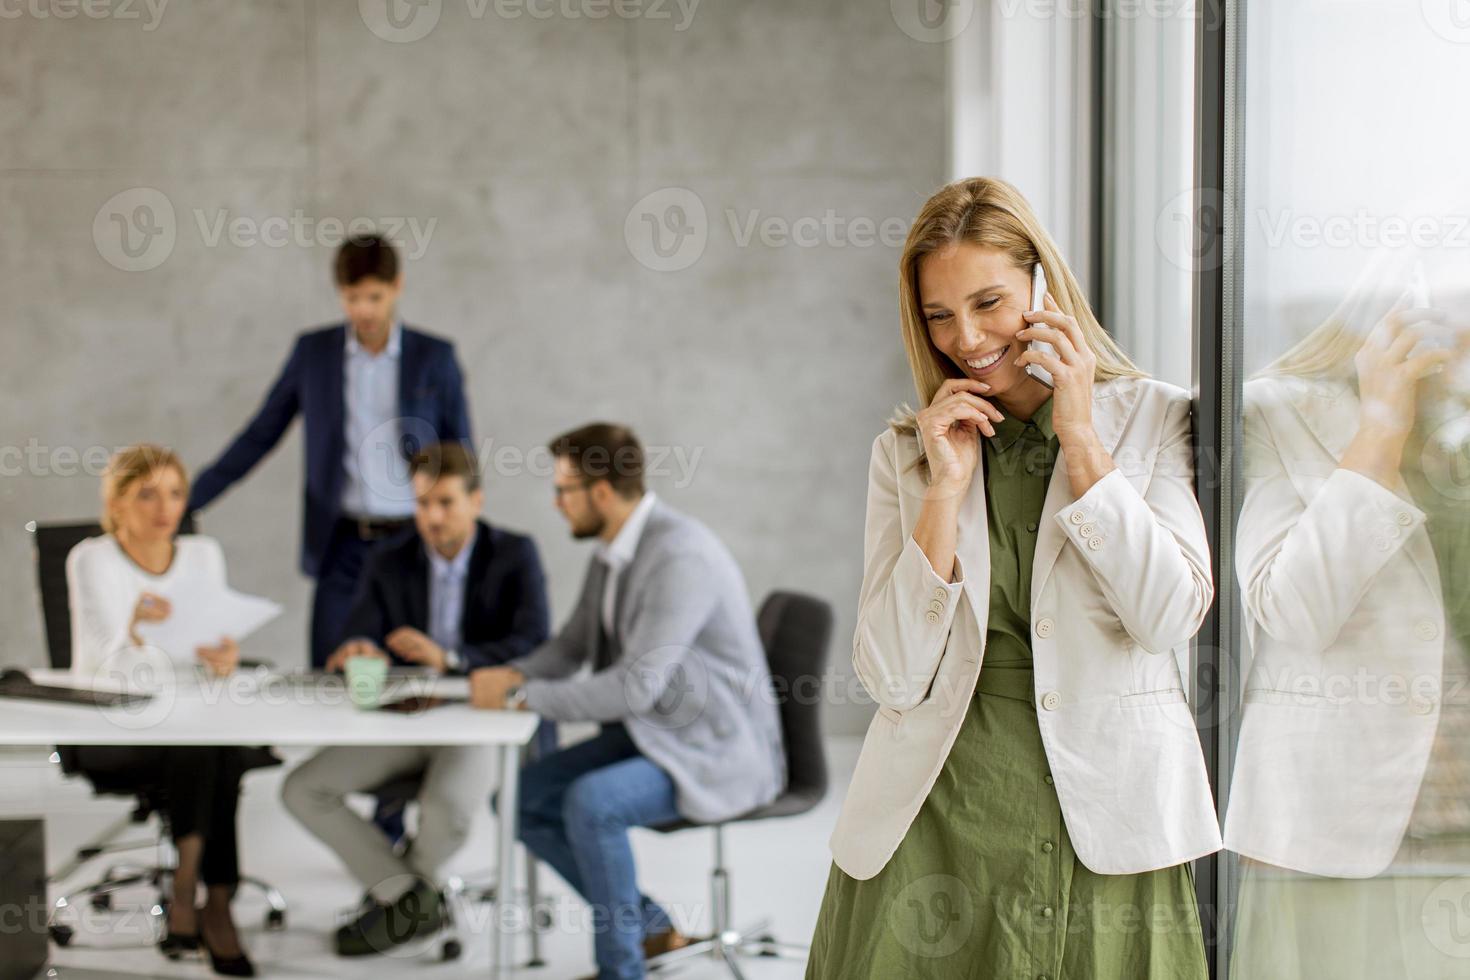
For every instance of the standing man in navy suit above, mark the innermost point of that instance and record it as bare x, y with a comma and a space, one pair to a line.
373, 392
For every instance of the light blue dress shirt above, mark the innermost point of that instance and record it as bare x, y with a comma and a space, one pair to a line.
446, 594
378, 483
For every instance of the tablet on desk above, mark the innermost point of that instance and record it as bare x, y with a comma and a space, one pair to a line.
418, 702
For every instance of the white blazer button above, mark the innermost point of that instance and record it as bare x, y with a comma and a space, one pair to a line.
1086, 530
937, 606
1043, 627
1077, 517
1404, 518
1050, 700
1094, 543
1422, 705
1426, 630
932, 616
1382, 544
941, 595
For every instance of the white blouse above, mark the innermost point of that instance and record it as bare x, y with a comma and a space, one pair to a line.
104, 585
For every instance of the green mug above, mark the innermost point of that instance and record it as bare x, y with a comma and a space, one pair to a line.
365, 679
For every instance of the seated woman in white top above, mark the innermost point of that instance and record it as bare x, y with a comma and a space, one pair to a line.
115, 582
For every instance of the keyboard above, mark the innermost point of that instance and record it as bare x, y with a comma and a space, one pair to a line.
27, 691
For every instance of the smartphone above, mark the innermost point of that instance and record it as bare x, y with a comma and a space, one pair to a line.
1038, 302
1435, 333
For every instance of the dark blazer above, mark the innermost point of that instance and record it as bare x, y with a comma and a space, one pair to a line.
505, 611
431, 400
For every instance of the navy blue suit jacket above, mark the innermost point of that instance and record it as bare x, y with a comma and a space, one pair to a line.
431, 405
505, 613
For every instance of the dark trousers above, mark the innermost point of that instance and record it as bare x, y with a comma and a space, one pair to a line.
336, 589
200, 790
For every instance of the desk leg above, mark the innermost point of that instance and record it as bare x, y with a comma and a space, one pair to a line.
507, 910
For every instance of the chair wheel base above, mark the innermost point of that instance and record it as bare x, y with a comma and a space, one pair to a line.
61, 935
451, 950
275, 920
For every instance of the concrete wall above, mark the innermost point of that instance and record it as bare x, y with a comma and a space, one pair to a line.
532, 156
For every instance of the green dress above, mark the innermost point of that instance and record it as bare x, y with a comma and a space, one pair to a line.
985, 884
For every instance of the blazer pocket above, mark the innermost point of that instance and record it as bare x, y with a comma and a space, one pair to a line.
1167, 695
1293, 699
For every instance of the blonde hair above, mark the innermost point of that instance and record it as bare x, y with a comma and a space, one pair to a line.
991, 213
129, 466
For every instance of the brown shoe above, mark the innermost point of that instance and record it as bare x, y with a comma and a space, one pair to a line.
660, 943
665, 942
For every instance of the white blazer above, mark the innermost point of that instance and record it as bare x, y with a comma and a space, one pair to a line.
1121, 580
1345, 619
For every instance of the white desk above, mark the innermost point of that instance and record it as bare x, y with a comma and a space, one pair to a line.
249, 710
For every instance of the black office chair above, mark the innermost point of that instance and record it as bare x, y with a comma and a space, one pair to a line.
795, 630
51, 544
403, 790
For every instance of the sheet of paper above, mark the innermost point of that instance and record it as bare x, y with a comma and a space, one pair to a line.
202, 614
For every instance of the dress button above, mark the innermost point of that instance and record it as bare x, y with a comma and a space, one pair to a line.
1086, 530
1382, 544
1077, 517
1047, 779
1050, 700
1046, 912
1422, 705
1404, 518
932, 616
1047, 845
1094, 543
1044, 627
1426, 630
1031, 527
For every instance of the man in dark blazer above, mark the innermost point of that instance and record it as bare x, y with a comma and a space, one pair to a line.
454, 595
372, 392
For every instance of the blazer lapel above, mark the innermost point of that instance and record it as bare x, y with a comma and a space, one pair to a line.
332, 371
416, 589
408, 367
1110, 413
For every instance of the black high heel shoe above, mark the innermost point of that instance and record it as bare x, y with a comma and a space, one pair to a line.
227, 966
177, 944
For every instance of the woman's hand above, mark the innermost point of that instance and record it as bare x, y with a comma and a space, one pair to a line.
1388, 378
1388, 391
950, 429
222, 658
150, 608
1072, 368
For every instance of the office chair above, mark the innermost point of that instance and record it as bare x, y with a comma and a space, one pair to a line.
51, 544
795, 630
458, 892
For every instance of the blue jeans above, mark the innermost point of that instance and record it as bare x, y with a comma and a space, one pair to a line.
576, 806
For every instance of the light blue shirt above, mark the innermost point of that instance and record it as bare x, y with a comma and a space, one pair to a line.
378, 483
446, 593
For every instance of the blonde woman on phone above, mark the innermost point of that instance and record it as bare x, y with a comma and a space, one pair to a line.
1032, 788
115, 582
